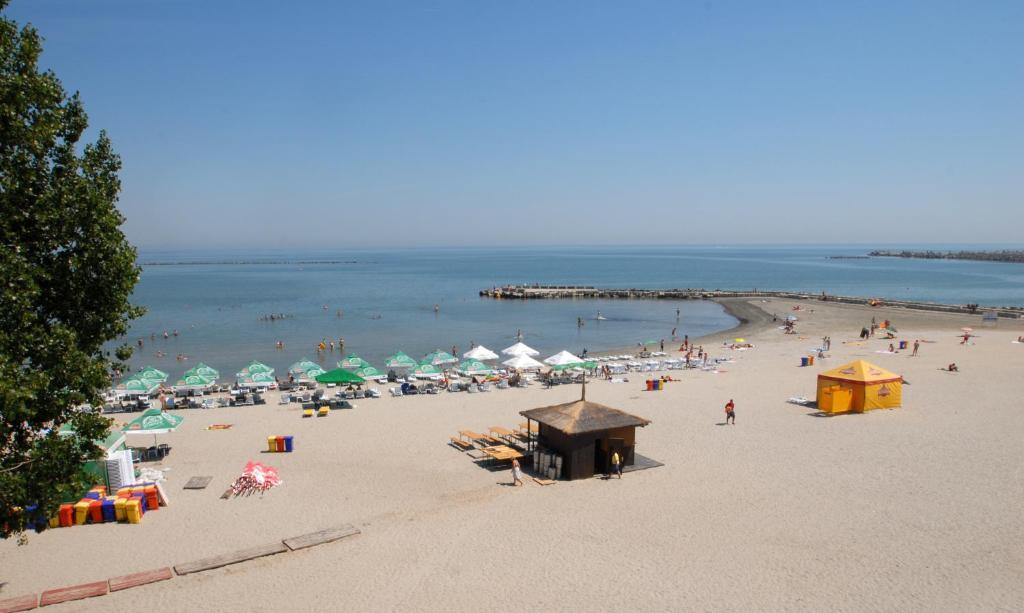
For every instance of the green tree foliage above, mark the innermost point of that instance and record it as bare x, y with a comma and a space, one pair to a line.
66, 277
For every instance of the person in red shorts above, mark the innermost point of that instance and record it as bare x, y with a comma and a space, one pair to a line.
730, 412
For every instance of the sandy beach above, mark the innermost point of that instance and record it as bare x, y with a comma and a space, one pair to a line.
913, 509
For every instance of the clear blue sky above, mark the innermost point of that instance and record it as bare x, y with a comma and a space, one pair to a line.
324, 123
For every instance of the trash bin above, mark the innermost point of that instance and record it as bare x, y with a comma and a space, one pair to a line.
804, 361
288, 443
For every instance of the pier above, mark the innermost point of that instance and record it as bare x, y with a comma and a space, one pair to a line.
542, 292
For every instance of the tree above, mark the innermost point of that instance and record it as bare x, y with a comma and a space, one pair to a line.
66, 278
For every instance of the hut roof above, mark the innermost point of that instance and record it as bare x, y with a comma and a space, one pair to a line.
581, 416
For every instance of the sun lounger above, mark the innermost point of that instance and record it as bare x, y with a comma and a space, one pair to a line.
285, 399
373, 393
307, 412
323, 412
396, 391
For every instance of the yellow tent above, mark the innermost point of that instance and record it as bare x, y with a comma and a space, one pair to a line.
858, 386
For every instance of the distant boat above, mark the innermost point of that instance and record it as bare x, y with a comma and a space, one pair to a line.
600, 317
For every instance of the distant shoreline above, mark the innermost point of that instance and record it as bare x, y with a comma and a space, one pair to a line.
1007, 255
249, 262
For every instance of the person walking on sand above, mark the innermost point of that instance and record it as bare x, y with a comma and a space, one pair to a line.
730, 412
917, 345
617, 463
517, 474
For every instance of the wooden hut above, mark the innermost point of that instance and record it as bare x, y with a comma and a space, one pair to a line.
585, 434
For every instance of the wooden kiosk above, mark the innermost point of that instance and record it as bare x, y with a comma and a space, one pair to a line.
585, 434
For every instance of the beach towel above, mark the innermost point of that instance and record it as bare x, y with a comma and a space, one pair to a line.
799, 400
219, 426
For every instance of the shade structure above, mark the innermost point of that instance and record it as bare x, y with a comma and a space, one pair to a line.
426, 369
475, 367
137, 385
153, 421
305, 369
255, 368
260, 379
520, 349
153, 374
400, 360
368, 372
204, 371
439, 358
340, 375
564, 358
353, 362
586, 435
857, 387
523, 362
480, 353
584, 365
193, 380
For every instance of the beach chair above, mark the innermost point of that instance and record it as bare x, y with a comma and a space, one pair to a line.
396, 391
307, 412
323, 411
472, 388
285, 399
373, 393
360, 394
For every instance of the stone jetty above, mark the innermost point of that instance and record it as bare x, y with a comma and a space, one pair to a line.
539, 292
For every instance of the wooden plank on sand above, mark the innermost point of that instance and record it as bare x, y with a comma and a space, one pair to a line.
544, 481
230, 558
136, 579
198, 483
74, 592
319, 538
21, 603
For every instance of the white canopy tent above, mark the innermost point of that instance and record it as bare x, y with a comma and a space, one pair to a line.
523, 362
480, 353
520, 349
563, 358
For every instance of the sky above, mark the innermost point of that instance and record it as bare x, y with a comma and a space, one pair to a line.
396, 124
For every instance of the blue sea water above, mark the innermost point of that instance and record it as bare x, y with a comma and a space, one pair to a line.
387, 298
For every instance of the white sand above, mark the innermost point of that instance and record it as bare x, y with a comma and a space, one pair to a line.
915, 509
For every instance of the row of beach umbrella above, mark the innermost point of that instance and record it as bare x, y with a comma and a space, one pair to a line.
354, 369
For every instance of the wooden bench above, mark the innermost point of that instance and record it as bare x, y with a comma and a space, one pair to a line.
461, 444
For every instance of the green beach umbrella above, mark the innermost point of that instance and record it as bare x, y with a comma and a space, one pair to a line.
439, 358
353, 362
255, 368
138, 385
368, 372
426, 369
153, 374
193, 380
399, 360
153, 421
306, 368
204, 371
339, 375
475, 367
260, 378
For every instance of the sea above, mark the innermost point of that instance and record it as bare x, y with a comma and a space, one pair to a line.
214, 305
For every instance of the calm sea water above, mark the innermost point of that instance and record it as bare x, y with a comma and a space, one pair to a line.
387, 298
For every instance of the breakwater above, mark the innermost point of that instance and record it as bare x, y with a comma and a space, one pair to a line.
549, 292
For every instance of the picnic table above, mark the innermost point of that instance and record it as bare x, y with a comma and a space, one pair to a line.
504, 433
502, 453
534, 428
470, 435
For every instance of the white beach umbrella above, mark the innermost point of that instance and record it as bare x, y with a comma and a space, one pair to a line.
563, 358
520, 349
523, 362
480, 353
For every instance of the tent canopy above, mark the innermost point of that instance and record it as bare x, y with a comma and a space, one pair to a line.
138, 385
480, 353
438, 358
520, 349
368, 372
860, 371
427, 369
339, 375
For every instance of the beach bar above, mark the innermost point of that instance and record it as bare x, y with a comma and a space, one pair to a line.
585, 434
